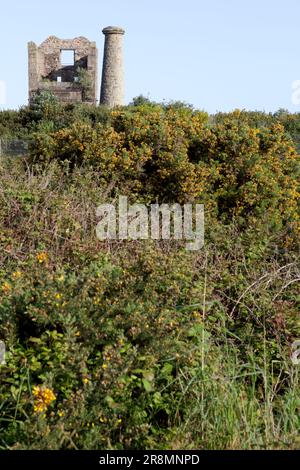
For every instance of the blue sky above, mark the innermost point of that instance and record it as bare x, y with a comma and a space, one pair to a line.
216, 54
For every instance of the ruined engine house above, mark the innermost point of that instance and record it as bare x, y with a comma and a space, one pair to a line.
66, 67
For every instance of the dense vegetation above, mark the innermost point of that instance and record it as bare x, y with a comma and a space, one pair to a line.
142, 344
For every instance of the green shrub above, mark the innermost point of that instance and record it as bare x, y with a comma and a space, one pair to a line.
141, 344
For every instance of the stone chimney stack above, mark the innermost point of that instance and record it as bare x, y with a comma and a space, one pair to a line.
112, 87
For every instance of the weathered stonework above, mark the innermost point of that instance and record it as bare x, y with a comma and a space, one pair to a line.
112, 87
46, 71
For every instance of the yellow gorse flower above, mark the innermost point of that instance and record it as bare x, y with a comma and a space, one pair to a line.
43, 397
6, 287
16, 275
42, 257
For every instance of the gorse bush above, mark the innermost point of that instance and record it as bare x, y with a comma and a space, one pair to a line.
174, 155
142, 344
136, 349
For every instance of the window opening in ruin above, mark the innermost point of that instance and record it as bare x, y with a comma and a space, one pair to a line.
67, 57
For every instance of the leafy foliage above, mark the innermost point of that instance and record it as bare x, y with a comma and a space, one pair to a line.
141, 344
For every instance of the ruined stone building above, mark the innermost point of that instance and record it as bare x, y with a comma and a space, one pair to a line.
69, 69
